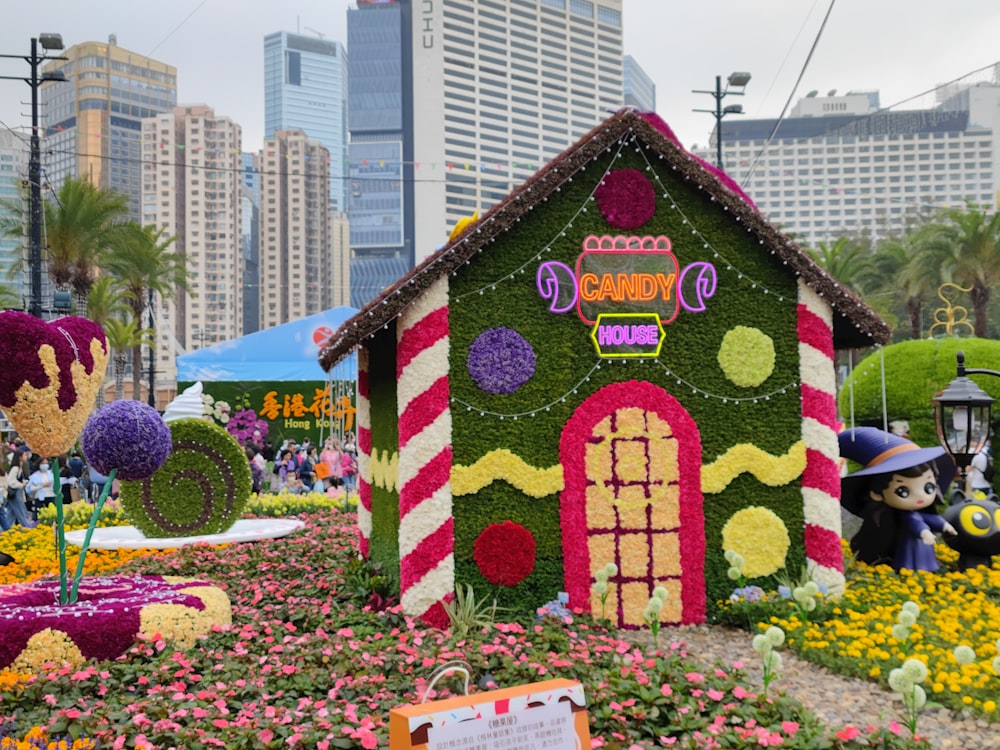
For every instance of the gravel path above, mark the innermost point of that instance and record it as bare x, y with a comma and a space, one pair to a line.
834, 699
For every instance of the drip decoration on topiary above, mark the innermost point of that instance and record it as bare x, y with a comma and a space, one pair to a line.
626, 199
50, 377
201, 489
106, 619
505, 553
500, 360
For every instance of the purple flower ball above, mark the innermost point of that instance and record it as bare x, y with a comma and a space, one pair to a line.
128, 436
500, 360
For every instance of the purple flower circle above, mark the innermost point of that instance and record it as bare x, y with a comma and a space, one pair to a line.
500, 360
626, 198
126, 435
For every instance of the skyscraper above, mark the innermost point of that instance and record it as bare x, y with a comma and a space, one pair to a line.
13, 167
92, 123
296, 265
640, 91
453, 103
192, 190
305, 88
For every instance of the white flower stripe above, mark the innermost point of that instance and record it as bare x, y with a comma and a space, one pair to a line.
820, 509
421, 373
424, 520
819, 437
431, 589
423, 447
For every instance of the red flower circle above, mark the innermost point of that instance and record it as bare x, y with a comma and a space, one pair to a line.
626, 199
505, 553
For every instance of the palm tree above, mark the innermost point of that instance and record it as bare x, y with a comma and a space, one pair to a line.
965, 245
897, 275
79, 225
9, 298
142, 264
846, 259
123, 336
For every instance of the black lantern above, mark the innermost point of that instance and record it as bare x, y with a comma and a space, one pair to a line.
962, 414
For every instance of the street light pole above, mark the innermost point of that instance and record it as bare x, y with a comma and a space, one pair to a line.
737, 80
49, 42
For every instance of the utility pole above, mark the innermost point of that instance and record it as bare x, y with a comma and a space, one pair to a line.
737, 80
48, 42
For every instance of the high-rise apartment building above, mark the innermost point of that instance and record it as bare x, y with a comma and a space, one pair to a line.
93, 122
192, 188
13, 170
455, 102
839, 166
305, 88
296, 265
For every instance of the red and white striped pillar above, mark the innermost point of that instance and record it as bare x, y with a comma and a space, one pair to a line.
426, 525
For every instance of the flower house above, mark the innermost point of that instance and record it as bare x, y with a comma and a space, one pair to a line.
622, 362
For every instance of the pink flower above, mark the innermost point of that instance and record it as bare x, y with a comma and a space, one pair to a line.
697, 677
716, 695
848, 733
789, 727
895, 727
739, 692
666, 690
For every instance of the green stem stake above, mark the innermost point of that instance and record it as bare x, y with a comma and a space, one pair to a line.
90, 532
60, 532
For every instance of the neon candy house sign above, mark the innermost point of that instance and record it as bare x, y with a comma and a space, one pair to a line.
627, 288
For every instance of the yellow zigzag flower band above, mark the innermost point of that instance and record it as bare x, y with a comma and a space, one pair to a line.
773, 471
384, 469
502, 464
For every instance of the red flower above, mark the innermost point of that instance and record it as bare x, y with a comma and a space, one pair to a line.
626, 199
505, 553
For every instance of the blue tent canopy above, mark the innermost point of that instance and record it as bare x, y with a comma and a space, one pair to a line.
285, 352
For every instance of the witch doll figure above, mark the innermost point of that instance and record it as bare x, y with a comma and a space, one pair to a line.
894, 495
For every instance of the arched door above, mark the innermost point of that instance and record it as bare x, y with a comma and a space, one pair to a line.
631, 458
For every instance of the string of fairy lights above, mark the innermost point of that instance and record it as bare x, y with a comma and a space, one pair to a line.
629, 140
559, 235
695, 391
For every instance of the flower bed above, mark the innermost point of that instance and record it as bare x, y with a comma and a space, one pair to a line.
305, 664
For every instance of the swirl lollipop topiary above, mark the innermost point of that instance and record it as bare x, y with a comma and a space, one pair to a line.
202, 488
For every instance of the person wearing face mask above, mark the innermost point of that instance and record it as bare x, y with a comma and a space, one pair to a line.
41, 487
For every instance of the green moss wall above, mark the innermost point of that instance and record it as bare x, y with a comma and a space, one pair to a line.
687, 368
385, 441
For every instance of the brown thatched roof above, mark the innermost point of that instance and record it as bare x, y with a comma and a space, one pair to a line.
855, 325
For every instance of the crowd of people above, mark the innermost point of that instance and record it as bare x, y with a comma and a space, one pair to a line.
299, 469
27, 483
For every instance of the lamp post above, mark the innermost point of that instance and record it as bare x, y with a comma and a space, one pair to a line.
736, 81
962, 413
48, 42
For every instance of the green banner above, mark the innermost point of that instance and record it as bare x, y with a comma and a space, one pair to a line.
279, 410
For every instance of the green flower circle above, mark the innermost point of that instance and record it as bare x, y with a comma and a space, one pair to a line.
201, 489
746, 356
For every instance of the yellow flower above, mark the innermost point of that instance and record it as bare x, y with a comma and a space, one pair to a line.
760, 536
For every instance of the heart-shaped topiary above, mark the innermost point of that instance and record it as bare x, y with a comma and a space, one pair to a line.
51, 375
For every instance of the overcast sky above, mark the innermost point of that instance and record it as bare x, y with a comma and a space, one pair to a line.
901, 47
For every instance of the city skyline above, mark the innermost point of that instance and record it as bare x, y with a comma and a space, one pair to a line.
893, 47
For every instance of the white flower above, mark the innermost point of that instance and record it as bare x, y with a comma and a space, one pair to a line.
906, 618
918, 698
761, 644
661, 593
600, 587
611, 569
654, 605
900, 632
734, 573
913, 607
775, 635
772, 661
898, 681
811, 588
964, 655
915, 670
996, 665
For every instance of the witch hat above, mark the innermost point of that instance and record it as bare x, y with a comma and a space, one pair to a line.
882, 452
